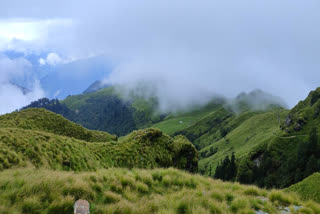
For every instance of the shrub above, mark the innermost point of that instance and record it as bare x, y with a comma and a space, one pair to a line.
251, 191
238, 204
62, 205
127, 181
281, 198
141, 187
110, 197
183, 208
32, 206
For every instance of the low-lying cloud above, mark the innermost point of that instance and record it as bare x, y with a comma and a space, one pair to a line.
12, 95
188, 51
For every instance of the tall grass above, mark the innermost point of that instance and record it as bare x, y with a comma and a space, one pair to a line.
148, 148
118, 190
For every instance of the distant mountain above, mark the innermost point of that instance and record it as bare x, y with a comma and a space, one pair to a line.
73, 78
104, 110
96, 86
257, 100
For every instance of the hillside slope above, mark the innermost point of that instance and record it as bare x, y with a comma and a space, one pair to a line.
147, 148
105, 110
180, 122
43, 120
136, 191
253, 133
45, 139
272, 149
309, 188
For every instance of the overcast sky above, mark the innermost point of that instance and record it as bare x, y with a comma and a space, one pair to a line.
185, 49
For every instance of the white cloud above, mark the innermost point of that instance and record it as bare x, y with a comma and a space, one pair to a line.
13, 69
187, 49
30, 35
53, 59
56, 94
42, 61
11, 96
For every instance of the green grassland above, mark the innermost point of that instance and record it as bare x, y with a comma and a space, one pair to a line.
118, 190
176, 122
304, 115
309, 188
253, 133
77, 101
43, 120
43, 139
147, 148
48, 162
220, 130
272, 148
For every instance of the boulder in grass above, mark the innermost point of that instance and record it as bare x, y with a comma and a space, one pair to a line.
82, 207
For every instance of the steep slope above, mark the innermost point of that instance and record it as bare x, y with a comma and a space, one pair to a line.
43, 120
96, 86
253, 133
138, 191
105, 110
280, 154
309, 188
304, 115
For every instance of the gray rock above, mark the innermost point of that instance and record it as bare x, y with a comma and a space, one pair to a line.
82, 207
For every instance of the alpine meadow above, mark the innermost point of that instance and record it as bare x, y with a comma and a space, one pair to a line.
162, 107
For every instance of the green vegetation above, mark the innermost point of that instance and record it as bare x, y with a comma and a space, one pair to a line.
174, 123
309, 188
105, 110
226, 169
43, 120
119, 190
274, 148
48, 162
251, 135
147, 148
304, 115
44, 139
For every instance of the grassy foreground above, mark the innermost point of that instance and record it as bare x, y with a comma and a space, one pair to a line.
118, 190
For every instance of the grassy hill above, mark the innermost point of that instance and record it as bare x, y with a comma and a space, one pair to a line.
304, 115
176, 122
119, 190
309, 188
147, 148
45, 140
43, 120
254, 132
274, 148
105, 110
48, 162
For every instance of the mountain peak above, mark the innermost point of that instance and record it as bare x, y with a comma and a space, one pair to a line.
96, 86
